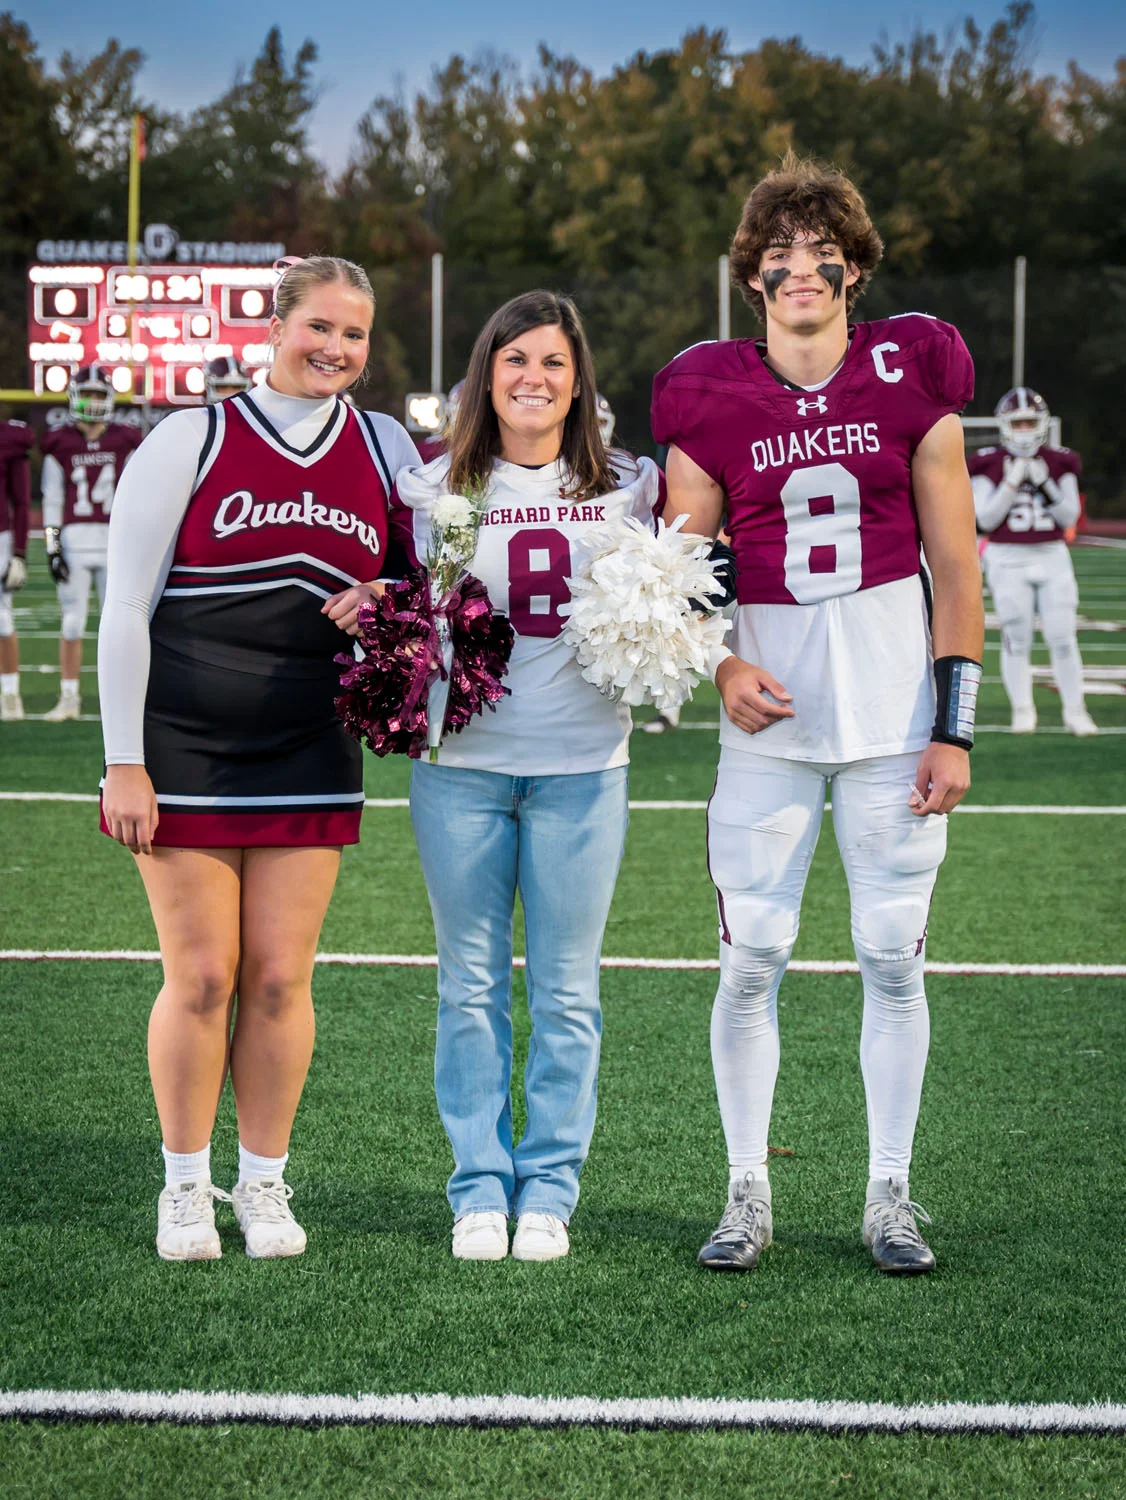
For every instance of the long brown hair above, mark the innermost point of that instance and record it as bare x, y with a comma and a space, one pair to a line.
475, 442
803, 196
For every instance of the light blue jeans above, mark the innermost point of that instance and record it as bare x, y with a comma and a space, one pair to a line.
558, 840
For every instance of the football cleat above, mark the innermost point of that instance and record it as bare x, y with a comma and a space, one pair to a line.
540, 1237
11, 707
65, 708
891, 1233
268, 1226
185, 1222
743, 1233
1023, 721
1080, 723
481, 1236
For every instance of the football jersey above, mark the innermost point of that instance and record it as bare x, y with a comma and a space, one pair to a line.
532, 540
16, 439
90, 468
823, 524
1030, 520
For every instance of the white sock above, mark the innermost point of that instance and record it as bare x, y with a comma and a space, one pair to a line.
1067, 669
252, 1168
68, 688
879, 1189
186, 1166
1016, 674
745, 1047
761, 1180
9, 682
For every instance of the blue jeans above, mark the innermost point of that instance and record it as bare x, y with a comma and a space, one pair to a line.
558, 840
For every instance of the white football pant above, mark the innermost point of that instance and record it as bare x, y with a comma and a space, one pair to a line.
86, 567
763, 822
1024, 581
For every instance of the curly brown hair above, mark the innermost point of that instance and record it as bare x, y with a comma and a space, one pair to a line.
803, 196
475, 441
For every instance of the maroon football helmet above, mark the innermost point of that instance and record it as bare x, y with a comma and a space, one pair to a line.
1024, 407
90, 395
224, 377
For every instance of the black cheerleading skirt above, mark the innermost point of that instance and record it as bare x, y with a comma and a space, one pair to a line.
245, 749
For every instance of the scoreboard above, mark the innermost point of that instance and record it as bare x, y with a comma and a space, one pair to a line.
153, 327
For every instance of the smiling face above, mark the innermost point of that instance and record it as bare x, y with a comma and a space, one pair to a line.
532, 383
322, 346
803, 282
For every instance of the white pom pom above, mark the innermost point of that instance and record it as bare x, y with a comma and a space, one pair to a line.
632, 627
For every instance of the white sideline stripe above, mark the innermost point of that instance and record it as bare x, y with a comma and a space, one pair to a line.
207, 1407
712, 726
1111, 810
430, 961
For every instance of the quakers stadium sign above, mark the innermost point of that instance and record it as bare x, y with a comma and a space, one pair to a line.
160, 243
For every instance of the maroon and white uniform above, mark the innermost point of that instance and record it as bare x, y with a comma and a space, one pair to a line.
16, 439
823, 525
80, 478
1029, 516
266, 506
1024, 505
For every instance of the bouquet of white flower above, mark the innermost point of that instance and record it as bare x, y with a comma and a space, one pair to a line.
454, 526
635, 633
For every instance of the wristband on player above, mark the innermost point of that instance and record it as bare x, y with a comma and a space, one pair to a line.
716, 658
956, 681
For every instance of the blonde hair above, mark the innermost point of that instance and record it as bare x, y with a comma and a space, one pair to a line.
299, 277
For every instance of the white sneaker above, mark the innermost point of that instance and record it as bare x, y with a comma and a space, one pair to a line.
1023, 721
1080, 723
65, 708
540, 1237
481, 1236
185, 1222
11, 707
262, 1211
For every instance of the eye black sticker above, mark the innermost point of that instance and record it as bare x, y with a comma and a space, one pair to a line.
834, 275
772, 280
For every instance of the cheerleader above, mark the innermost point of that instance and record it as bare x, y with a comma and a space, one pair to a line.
243, 538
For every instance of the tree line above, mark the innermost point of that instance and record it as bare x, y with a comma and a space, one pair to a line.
623, 188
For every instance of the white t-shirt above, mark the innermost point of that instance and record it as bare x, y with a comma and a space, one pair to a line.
553, 722
860, 669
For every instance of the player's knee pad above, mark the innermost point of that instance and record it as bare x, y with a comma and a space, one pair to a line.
889, 912
74, 605
1016, 637
757, 923
1059, 628
749, 978
892, 984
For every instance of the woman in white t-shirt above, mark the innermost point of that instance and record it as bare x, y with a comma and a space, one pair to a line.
531, 798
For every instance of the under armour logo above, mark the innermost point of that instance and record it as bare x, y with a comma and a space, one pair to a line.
819, 404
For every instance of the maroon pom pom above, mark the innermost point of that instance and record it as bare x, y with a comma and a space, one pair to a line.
383, 696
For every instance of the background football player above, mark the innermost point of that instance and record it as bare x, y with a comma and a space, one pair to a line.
16, 439
605, 414
1026, 494
223, 377
82, 462
832, 451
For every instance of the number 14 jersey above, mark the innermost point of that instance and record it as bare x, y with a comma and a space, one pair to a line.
533, 539
822, 520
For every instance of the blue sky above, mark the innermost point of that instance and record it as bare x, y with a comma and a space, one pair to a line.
193, 50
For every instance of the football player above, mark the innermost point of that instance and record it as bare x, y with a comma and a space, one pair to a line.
1026, 495
223, 377
15, 442
82, 462
831, 452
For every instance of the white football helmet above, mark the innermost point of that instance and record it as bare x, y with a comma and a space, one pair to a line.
90, 395
224, 377
1024, 407
605, 415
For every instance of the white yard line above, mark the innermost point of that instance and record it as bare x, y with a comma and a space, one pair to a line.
672, 805
701, 965
205, 1408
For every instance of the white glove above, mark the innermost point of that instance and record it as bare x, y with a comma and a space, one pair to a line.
1015, 473
16, 576
1036, 471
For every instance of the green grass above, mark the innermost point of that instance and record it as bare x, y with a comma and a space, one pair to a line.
1019, 1151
